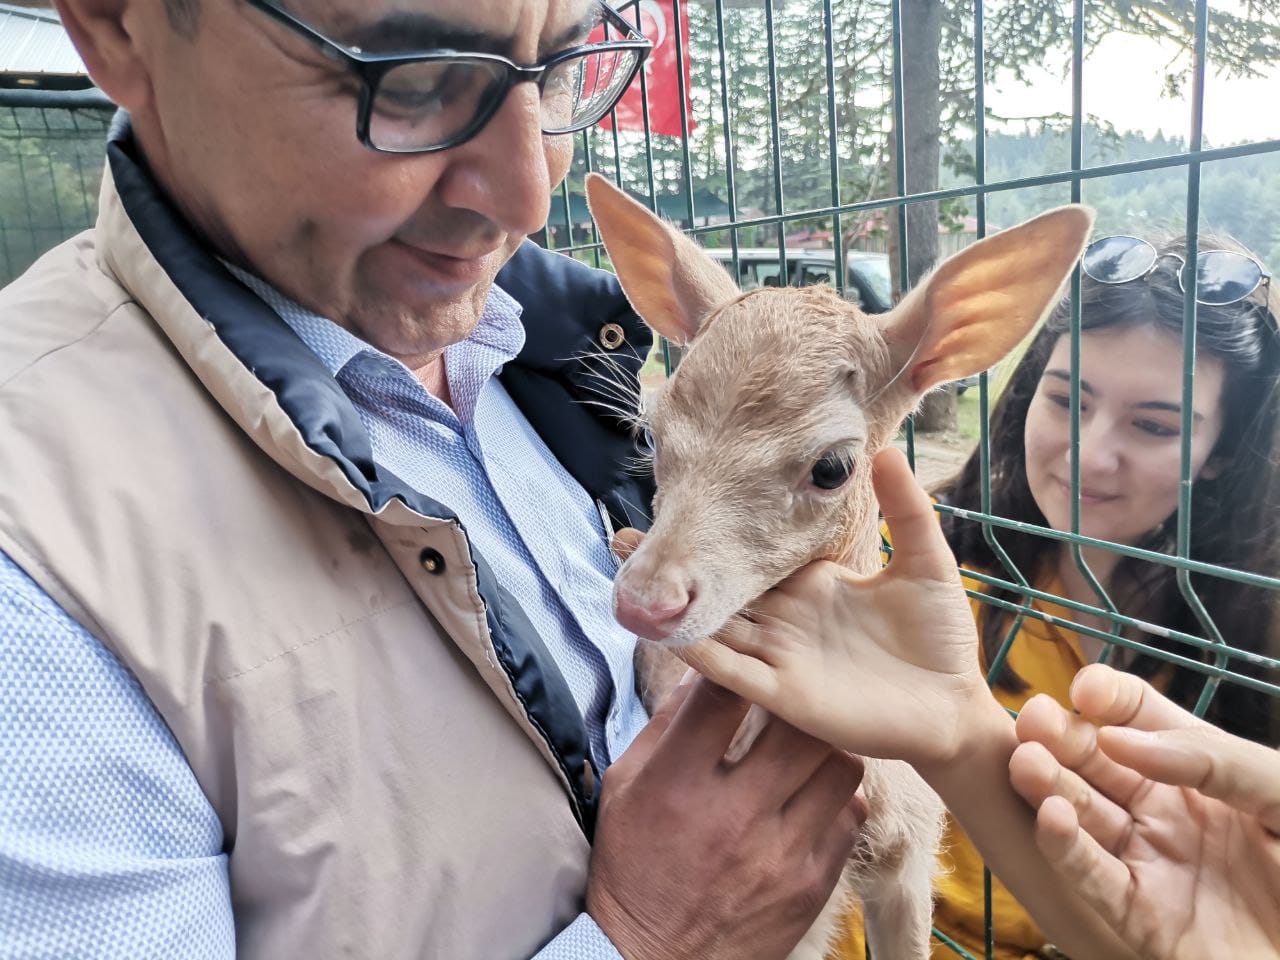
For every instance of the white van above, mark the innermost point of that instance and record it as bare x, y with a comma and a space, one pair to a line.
867, 280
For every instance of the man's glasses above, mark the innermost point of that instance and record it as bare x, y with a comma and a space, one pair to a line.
423, 102
1222, 276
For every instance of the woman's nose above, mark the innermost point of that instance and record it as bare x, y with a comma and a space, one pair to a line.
1100, 450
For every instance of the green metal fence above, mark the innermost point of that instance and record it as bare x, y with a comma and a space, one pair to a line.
632, 161
51, 158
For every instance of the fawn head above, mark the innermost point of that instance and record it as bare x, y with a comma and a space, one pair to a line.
762, 438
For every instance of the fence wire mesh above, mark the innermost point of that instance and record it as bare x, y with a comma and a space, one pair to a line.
51, 160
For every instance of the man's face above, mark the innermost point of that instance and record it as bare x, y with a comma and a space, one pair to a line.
252, 130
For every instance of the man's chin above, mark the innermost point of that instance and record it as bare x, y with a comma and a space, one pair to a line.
415, 330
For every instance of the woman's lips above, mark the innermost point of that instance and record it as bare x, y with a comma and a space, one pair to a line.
1087, 496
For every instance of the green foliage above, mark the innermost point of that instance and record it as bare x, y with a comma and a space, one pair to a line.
1239, 197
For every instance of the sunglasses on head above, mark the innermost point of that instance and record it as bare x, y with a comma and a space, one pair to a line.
1222, 276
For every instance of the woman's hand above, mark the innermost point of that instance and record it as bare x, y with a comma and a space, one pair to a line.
883, 666
1168, 827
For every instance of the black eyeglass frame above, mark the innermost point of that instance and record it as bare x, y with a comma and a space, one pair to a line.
1264, 278
370, 68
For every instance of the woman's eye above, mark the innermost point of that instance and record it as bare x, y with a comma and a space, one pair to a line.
1060, 400
831, 471
1156, 429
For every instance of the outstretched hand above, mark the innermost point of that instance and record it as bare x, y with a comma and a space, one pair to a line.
1168, 827
882, 666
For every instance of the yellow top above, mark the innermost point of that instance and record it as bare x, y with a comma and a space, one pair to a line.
1047, 658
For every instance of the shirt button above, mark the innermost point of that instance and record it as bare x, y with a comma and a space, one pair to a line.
431, 561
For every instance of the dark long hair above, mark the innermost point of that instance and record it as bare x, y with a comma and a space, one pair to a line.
1235, 514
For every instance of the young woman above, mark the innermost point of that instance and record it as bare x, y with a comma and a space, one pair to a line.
1131, 401
1130, 456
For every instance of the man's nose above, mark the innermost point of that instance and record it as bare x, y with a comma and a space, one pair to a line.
502, 173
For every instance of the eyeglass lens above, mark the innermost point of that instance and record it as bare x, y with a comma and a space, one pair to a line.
1223, 276
429, 102
1118, 259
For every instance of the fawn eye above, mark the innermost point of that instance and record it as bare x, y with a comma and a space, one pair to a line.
832, 470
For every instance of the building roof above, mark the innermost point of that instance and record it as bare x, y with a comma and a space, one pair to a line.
35, 52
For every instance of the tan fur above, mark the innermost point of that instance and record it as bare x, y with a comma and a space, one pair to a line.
774, 379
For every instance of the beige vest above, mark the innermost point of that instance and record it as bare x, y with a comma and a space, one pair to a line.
382, 788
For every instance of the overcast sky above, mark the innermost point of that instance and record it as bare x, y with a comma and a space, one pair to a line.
1124, 85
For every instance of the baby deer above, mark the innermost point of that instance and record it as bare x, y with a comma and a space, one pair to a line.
762, 443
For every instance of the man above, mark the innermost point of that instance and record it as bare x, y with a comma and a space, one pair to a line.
305, 632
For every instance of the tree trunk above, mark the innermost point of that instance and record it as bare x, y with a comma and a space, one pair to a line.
922, 106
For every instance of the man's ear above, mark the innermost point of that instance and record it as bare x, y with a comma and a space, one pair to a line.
980, 303
672, 284
110, 52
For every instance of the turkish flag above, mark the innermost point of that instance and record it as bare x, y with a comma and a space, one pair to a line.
657, 23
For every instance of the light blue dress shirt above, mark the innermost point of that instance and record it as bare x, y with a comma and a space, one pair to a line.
107, 846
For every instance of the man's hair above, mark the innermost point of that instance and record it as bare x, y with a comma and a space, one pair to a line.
184, 16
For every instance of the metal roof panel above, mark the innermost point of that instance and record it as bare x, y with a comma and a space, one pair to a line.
33, 41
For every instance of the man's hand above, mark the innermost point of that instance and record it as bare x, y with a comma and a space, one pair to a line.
1168, 827
882, 666
696, 859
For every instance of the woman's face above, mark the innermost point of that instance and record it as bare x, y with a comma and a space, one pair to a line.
1130, 415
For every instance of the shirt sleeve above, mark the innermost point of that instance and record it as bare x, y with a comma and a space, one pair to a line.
581, 940
108, 846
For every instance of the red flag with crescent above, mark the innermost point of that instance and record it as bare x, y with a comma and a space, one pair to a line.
657, 23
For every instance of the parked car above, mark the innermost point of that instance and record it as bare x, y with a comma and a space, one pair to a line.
867, 280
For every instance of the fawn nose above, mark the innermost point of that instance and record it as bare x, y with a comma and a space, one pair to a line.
655, 609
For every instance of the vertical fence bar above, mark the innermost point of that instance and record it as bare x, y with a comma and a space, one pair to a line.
685, 159
588, 168
900, 168
1077, 163
775, 132
837, 240
648, 134
984, 387
728, 142
1189, 278
979, 164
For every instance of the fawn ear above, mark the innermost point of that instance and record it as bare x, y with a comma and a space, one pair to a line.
672, 284
979, 304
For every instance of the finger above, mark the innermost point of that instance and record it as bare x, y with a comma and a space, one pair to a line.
1240, 773
747, 676
831, 788
919, 548
702, 728
833, 840
1101, 880
1073, 742
1107, 696
1037, 776
780, 761
646, 740
625, 542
